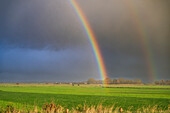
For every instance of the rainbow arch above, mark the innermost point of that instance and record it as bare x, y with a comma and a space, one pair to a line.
143, 39
91, 37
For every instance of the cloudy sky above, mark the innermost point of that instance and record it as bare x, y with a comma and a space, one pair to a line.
44, 40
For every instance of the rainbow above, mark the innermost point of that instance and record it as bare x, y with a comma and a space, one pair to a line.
91, 38
143, 39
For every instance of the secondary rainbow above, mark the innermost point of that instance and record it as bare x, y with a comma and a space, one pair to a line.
91, 38
143, 39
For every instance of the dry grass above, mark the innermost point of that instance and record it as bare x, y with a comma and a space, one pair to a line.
53, 108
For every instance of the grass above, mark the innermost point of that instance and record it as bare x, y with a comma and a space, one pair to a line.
31, 95
53, 108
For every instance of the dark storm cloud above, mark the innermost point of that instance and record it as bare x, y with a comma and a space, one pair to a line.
53, 24
39, 24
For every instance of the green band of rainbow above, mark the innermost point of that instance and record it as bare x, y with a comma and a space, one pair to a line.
91, 38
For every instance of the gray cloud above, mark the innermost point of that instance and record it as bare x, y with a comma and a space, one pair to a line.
44, 65
37, 24
54, 23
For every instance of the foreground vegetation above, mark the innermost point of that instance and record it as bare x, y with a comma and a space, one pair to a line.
86, 97
53, 108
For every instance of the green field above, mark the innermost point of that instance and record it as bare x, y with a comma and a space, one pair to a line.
70, 96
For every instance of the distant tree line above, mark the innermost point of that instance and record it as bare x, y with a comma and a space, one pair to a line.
162, 82
114, 81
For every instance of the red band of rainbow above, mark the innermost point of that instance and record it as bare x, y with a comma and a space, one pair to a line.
91, 38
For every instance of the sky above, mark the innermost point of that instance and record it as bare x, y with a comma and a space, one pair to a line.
44, 40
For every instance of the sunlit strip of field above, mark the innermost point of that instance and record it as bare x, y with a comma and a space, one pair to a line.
149, 86
70, 96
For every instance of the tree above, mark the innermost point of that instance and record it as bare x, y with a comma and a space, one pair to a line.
168, 82
17, 83
138, 81
91, 81
157, 82
118, 82
122, 81
162, 82
114, 81
107, 81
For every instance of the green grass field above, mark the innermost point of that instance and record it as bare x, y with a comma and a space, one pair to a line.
70, 96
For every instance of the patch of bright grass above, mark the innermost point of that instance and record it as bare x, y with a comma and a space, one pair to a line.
70, 97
